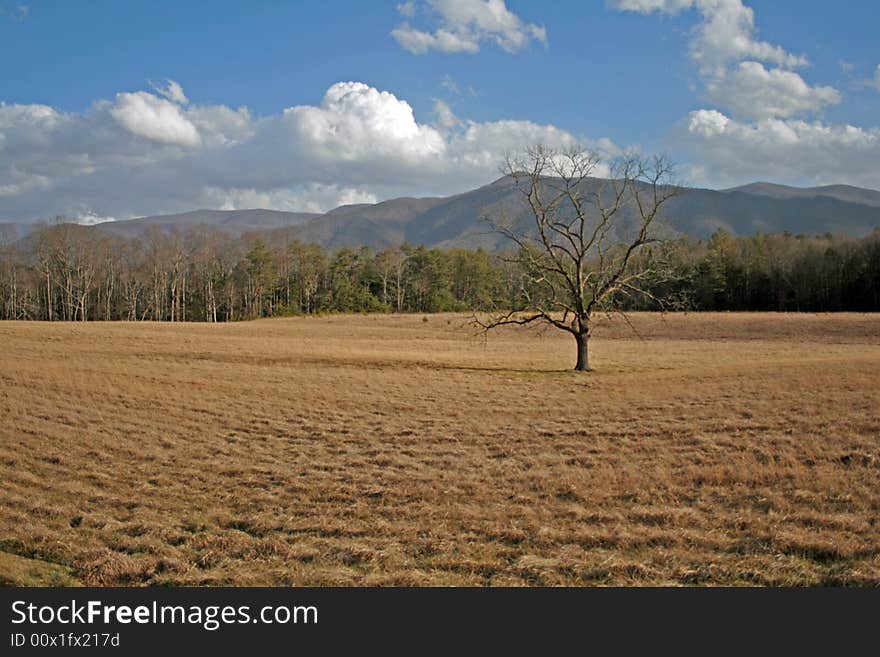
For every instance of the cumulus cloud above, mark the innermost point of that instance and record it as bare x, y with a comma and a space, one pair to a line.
754, 92
731, 58
357, 122
464, 24
733, 152
726, 33
220, 125
143, 153
755, 131
707, 123
155, 118
39, 116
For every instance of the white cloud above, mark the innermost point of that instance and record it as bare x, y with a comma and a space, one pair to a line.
358, 122
707, 123
480, 145
729, 57
155, 118
464, 24
89, 218
221, 125
757, 135
306, 198
446, 118
726, 33
732, 152
754, 92
144, 154
172, 91
419, 42
40, 116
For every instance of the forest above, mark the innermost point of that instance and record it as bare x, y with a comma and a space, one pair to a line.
69, 272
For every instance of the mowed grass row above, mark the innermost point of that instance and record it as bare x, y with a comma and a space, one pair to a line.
346, 450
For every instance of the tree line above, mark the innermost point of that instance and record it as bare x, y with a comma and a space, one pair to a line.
69, 272
781, 272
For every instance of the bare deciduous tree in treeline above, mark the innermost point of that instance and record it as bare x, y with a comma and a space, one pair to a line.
391, 264
584, 250
69, 257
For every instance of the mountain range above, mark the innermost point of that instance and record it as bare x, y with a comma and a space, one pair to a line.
458, 220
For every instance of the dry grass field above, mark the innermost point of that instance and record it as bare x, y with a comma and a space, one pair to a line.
400, 450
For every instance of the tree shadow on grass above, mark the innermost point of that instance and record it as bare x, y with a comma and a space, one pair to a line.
503, 370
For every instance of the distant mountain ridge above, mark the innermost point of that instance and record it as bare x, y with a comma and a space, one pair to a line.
846, 193
457, 221
238, 221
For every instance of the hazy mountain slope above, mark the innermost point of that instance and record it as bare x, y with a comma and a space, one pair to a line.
460, 221
349, 231
377, 225
14, 231
233, 221
397, 209
697, 212
700, 212
845, 193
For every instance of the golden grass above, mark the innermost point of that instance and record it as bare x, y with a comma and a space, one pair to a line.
20, 571
715, 449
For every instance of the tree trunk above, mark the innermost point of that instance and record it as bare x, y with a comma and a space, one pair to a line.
48, 296
583, 358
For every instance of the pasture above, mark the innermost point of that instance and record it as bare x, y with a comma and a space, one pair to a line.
737, 449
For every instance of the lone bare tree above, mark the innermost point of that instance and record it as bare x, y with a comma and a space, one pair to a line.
585, 249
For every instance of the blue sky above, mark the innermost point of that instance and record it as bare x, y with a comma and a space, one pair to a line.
734, 90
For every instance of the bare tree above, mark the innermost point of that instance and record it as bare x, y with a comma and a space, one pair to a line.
585, 249
10, 264
392, 265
